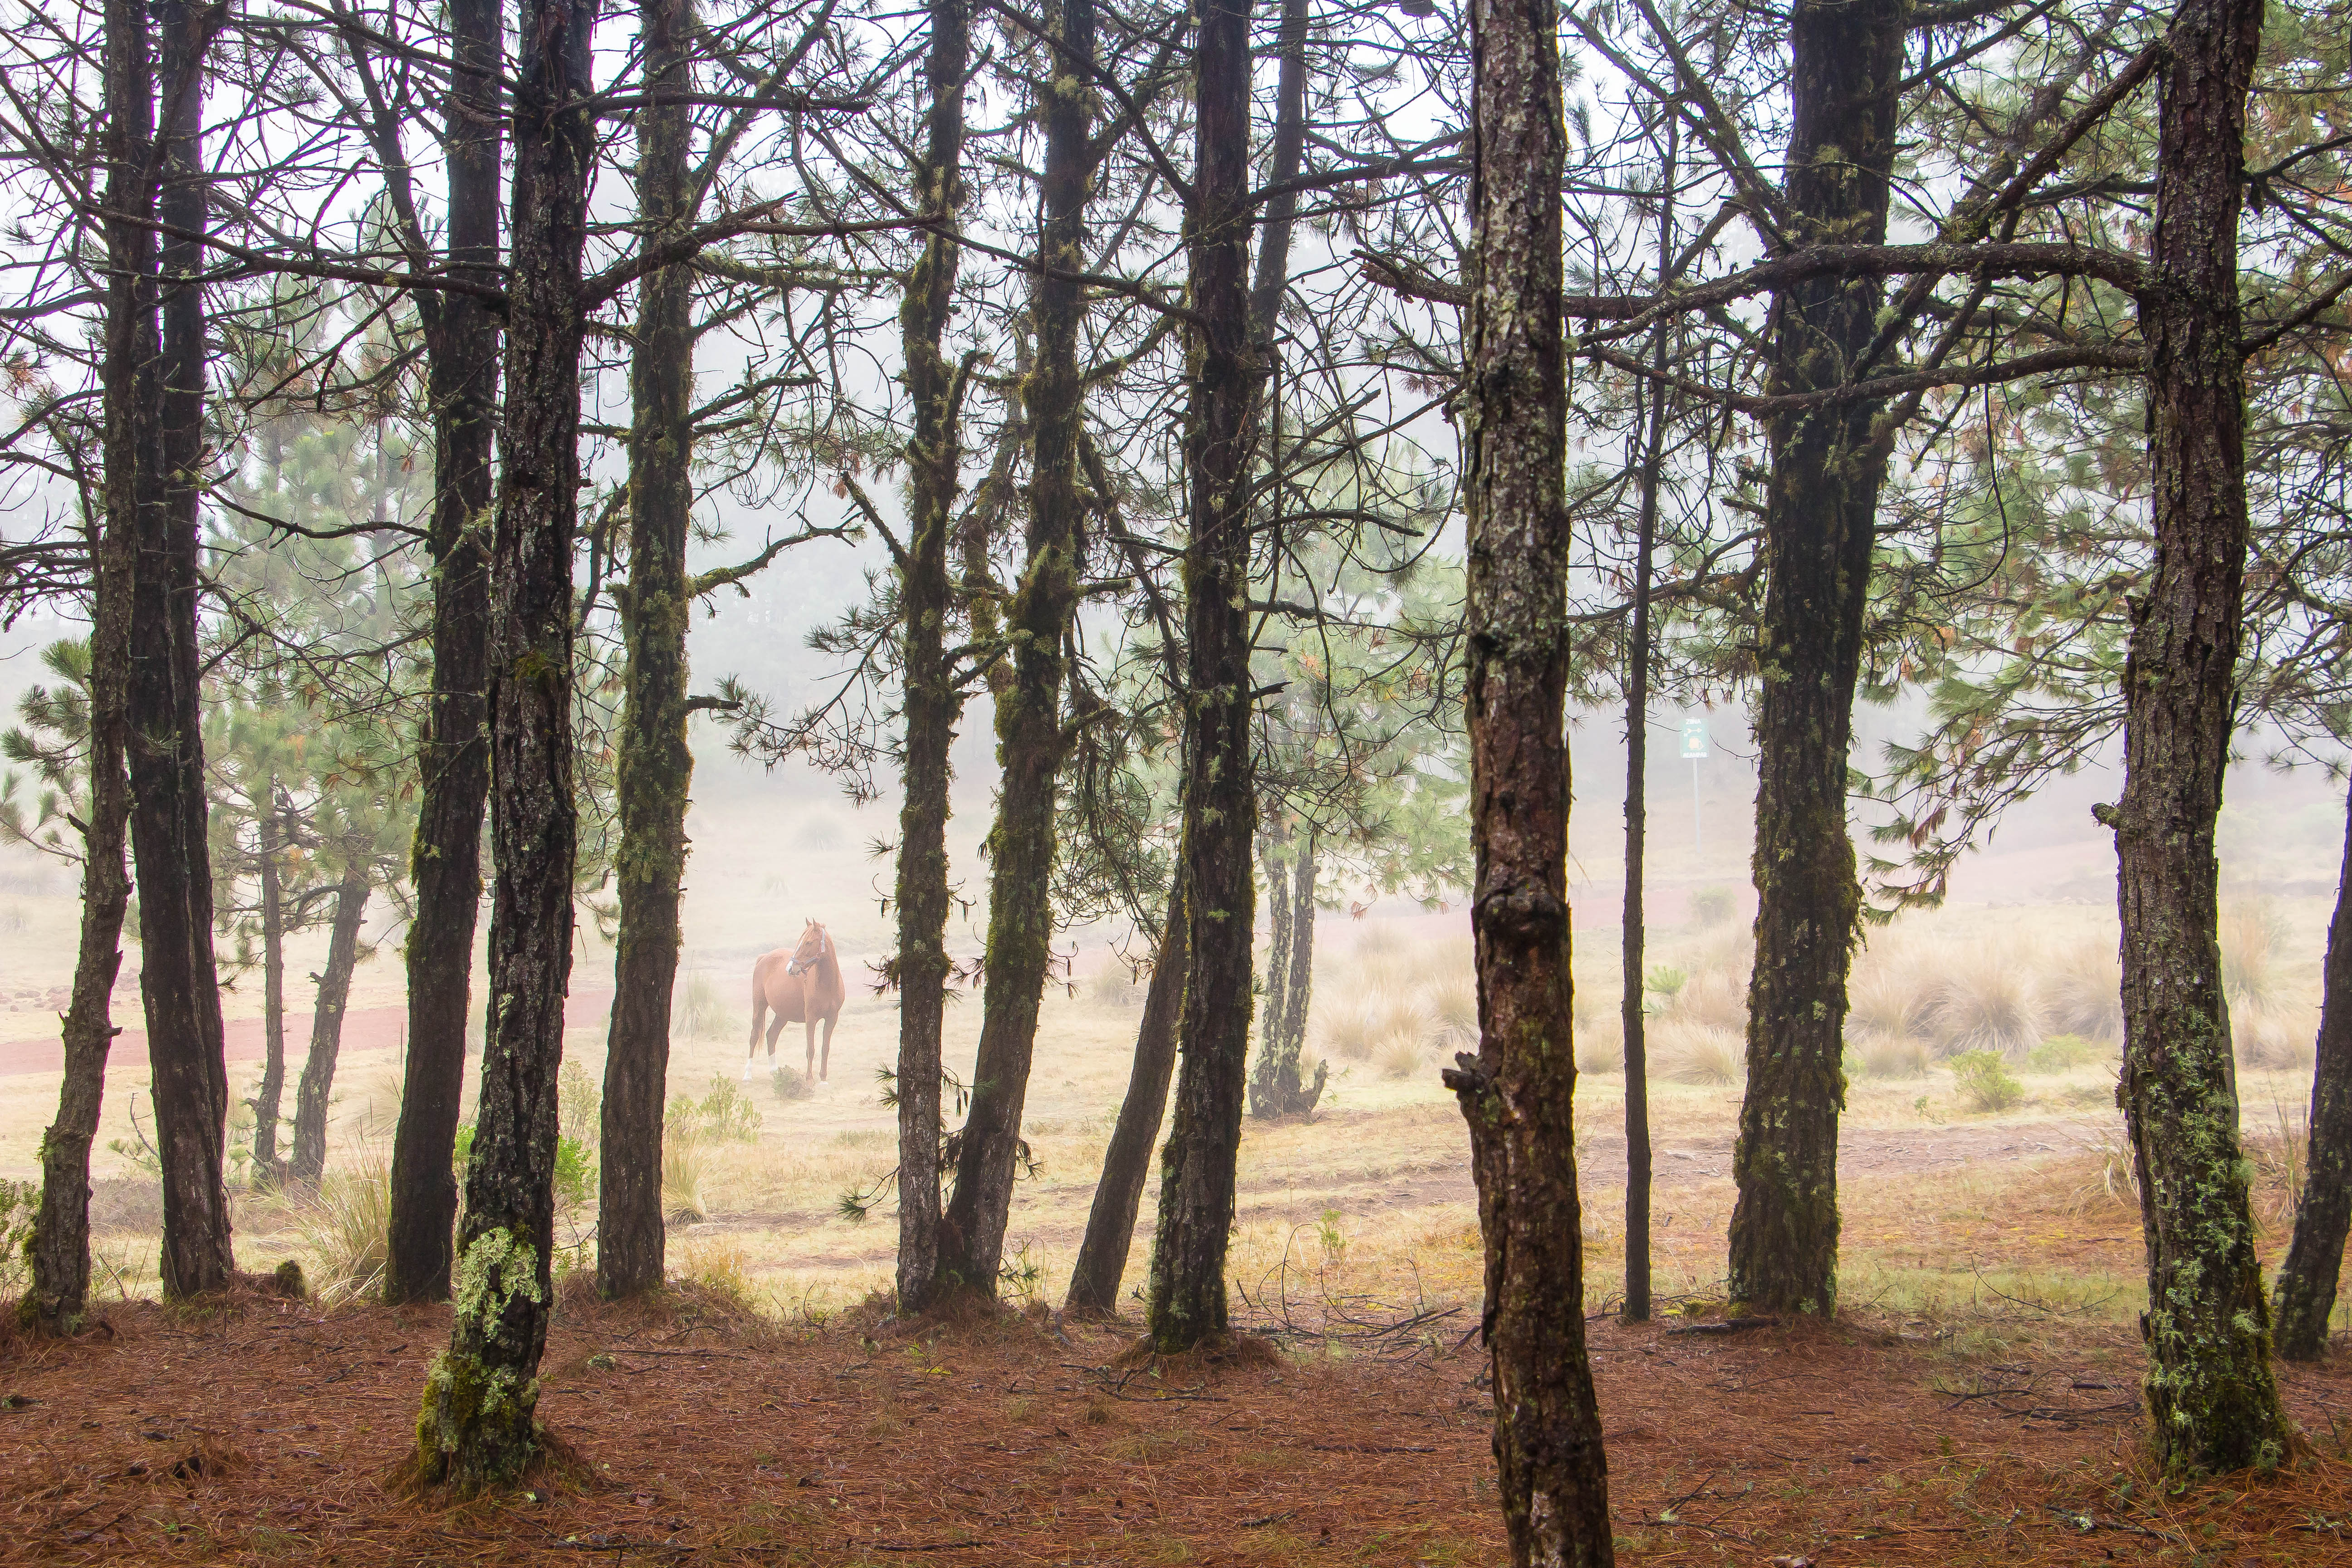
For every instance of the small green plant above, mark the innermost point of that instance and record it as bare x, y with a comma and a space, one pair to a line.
1022, 1275
790, 1083
1712, 905
2061, 1053
725, 1115
1666, 980
1333, 1239
1985, 1082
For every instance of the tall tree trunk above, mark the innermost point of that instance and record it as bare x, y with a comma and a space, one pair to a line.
1637, 776
1031, 740
1126, 1163
1519, 1093
477, 1427
2315, 1258
131, 458
2211, 1402
311, 1095
1846, 66
462, 373
1277, 990
1305, 870
1220, 793
178, 983
1274, 1087
930, 700
269, 1099
655, 765
1278, 1083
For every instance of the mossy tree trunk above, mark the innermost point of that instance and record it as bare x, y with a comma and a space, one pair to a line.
477, 1427
1846, 65
2305, 1292
1277, 990
316, 1088
930, 699
171, 844
1226, 372
1032, 738
131, 458
1518, 1092
656, 766
1126, 1163
269, 1098
461, 347
2213, 1404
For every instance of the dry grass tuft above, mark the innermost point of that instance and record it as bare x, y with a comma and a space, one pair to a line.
2271, 1037
684, 1163
344, 1225
1685, 1051
2082, 992
1897, 1056
1891, 993
1984, 1001
2250, 973
1601, 1047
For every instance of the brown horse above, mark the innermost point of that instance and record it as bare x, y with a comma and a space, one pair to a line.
801, 984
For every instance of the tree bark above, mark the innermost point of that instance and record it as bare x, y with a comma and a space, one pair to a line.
269, 1099
477, 1427
930, 700
1031, 740
311, 1095
131, 458
1277, 968
1519, 1092
2213, 1404
1846, 66
1126, 1163
656, 766
1220, 795
178, 983
1637, 776
462, 372
2306, 1291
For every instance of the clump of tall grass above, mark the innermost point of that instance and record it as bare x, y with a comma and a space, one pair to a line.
1115, 985
1984, 1001
1893, 1055
684, 1163
2082, 992
1600, 1046
2251, 975
1346, 1028
344, 1225
1687, 1051
2272, 1037
1453, 998
700, 1013
1891, 993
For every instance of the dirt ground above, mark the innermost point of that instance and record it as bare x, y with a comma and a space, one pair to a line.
266, 1433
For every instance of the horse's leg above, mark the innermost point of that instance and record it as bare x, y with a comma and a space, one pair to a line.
759, 1014
830, 1019
775, 1028
808, 1067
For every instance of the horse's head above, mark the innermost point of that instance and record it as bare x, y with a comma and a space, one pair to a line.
814, 944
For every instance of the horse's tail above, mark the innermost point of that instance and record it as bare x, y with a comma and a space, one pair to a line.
759, 1006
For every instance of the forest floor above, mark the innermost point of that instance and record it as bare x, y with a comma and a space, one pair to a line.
267, 1432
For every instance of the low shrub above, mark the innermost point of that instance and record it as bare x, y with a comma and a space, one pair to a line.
790, 1083
2061, 1053
1713, 906
1984, 1081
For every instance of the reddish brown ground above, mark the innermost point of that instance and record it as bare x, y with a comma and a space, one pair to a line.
263, 1434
